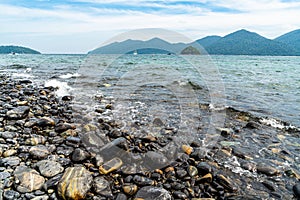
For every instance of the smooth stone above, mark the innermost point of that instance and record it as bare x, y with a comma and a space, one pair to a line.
179, 195
110, 166
143, 181
45, 121
39, 151
35, 140
9, 152
62, 127
155, 160
8, 135
52, 182
10, 161
49, 168
75, 183
267, 170
192, 171
181, 173
130, 189
187, 149
102, 187
79, 155
44, 197
153, 193
206, 178
226, 183
121, 196
4, 175
29, 179
204, 168
18, 113
11, 195
296, 190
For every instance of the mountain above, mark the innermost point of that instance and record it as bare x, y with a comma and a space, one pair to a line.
241, 42
208, 40
151, 46
244, 42
291, 38
17, 49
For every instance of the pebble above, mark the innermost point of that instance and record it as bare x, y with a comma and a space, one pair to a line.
19, 112
45, 121
79, 155
102, 187
10, 161
187, 149
39, 151
75, 183
11, 195
296, 190
130, 189
142, 181
49, 168
9, 152
28, 179
267, 170
153, 193
110, 166
192, 171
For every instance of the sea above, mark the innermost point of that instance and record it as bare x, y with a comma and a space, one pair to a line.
266, 86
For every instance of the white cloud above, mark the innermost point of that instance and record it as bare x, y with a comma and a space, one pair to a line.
64, 24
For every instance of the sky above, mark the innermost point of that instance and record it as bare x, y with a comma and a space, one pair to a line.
78, 26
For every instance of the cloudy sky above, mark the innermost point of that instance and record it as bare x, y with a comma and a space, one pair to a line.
77, 26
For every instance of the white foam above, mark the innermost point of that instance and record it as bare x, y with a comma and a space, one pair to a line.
21, 75
275, 123
66, 76
63, 87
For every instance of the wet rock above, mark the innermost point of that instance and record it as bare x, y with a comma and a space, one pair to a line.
269, 185
75, 183
4, 175
52, 182
296, 190
45, 121
49, 168
121, 196
39, 151
253, 125
62, 127
156, 160
130, 189
28, 179
18, 113
9, 152
267, 170
192, 171
142, 181
8, 135
11, 195
10, 161
79, 155
206, 178
187, 149
181, 173
153, 193
179, 195
204, 168
226, 183
35, 140
102, 187
110, 166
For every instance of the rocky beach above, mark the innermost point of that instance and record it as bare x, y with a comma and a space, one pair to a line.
44, 154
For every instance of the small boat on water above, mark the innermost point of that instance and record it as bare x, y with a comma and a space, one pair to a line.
135, 52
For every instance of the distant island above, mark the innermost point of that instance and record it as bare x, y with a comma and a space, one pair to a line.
241, 42
17, 50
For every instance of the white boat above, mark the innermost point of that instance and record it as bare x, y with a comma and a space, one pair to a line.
135, 52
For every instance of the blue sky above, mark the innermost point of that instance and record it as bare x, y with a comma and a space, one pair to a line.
77, 26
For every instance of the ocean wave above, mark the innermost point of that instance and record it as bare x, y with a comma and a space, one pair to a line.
277, 123
21, 75
69, 75
63, 87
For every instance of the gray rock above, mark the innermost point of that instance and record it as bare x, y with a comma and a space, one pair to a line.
75, 183
4, 175
7, 135
79, 155
10, 161
44, 197
11, 195
267, 170
49, 168
153, 193
296, 190
28, 179
102, 187
18, 113
39, 151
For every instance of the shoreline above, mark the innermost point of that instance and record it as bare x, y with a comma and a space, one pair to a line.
41, 144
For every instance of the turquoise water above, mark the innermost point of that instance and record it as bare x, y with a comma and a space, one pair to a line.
265, 85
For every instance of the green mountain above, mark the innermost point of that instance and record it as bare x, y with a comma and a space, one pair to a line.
17, 49
152, 46
208, 40
292, 39
243, 42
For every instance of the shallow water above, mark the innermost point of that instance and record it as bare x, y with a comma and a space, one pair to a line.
264, 85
